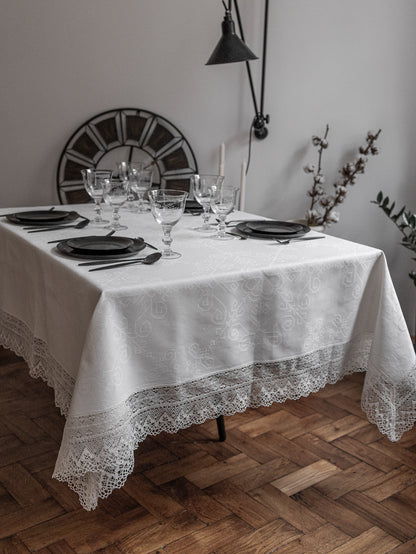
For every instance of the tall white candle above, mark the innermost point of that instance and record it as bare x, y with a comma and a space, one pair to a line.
222, 160
243, 186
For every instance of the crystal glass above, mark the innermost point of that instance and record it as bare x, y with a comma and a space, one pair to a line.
125, 170
222, 201
115, 194
134, 168
167, 208
201, 188
94, 181
141, 182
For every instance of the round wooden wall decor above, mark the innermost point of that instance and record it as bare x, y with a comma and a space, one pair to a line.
125, 134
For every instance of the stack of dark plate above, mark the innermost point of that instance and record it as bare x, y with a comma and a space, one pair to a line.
193, 207
100, 247
42, 217
269, 229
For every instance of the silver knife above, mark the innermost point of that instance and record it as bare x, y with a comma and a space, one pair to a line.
306, 238
110, 261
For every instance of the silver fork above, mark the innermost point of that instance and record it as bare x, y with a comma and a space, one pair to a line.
288, 241
232, 222
236, 236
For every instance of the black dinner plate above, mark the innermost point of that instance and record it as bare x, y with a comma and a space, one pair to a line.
100, 244
274, 227
42, 217
192, 206
66, 250
285, 229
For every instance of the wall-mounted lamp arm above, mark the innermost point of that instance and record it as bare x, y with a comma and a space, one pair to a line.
231, 48
263, 69
260, 120
250, 77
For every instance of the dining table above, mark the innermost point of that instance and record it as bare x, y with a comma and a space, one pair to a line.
140, 349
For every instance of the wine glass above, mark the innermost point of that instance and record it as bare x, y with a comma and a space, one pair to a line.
116, 194
201, 187
94, 180
167, 208
133, 170
141, 182
222, 201
125, 170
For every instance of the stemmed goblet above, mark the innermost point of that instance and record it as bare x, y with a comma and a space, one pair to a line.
116, 194
201, 187
123, 170
94, 181
134, 169
222, 201
167, 207
140, 183
127, 170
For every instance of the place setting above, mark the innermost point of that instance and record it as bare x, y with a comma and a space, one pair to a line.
50, 219
281, 232
100, 247
167, 207
107, 251
110, 251
219, 198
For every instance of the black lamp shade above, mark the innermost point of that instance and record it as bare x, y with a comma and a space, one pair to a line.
230, 47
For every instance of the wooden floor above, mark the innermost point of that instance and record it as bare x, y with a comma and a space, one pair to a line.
301, 477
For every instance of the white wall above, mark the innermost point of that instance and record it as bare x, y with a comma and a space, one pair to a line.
349, 64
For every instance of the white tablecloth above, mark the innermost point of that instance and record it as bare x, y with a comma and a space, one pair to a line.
141, 349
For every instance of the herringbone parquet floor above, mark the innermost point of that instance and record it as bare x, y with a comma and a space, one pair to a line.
311, 476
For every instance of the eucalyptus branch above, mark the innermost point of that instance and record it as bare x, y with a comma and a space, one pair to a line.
404, 220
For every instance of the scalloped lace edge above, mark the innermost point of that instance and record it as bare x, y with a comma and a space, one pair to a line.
97, 452
16, 336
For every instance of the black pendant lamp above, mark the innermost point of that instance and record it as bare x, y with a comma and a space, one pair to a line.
231, 48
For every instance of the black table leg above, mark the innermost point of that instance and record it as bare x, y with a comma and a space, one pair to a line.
221, 428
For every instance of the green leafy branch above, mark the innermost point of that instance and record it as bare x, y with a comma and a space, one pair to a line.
404, 220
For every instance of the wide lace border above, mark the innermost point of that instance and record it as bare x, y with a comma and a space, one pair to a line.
97, 452
16, 336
